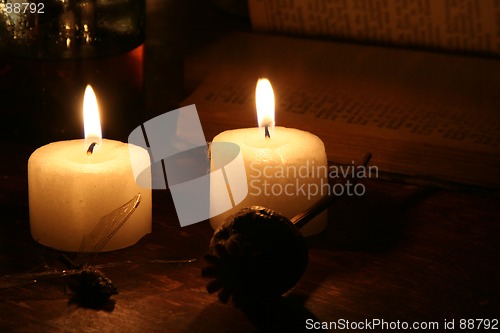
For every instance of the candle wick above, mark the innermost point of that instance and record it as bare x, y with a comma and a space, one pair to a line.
91, 148
266, 130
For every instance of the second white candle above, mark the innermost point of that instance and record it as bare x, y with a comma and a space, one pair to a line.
286, 168
286, 173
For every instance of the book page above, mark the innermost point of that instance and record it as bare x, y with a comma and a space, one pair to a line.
465, 25
419, 113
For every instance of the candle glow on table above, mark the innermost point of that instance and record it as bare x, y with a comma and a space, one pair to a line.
71, 188
280, 167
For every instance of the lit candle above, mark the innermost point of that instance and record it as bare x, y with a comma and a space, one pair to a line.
286, 168
74, 184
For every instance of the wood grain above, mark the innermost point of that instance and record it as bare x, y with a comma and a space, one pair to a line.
400, 252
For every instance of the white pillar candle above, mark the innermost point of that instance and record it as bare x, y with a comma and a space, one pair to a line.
287, 172
71, 190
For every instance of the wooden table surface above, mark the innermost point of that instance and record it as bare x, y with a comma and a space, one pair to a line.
400, 252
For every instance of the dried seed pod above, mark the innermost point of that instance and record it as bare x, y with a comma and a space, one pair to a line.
257, 253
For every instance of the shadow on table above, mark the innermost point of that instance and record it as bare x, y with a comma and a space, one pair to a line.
376, 222
283, 314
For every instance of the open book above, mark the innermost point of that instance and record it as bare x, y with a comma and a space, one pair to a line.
430, 117
465, 25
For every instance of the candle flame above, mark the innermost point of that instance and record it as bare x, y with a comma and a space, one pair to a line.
264, 100
91, 121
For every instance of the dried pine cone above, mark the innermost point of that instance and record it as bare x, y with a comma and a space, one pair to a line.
255, 254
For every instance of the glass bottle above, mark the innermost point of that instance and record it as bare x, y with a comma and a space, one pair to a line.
50, 50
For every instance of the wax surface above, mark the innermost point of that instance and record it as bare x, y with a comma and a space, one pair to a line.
69, 192
279, 170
